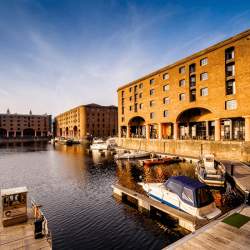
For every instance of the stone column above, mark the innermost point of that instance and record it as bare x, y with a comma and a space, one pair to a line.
128, 132
35, 133
160, 131
147, 131
7, 134
176, 131
15, 134
247, 127
21, 133
217, 129
207, 130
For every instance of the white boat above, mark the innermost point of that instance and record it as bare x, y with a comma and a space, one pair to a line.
210, 171
132, 155
186, 194
99, 144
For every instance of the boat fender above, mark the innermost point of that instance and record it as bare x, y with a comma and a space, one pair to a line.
7, 213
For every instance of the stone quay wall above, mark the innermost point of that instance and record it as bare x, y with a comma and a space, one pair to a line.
223, 150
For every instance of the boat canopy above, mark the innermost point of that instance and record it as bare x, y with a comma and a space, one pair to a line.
190, 191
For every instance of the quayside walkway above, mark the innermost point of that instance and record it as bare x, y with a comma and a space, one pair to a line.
230, 233
21, 236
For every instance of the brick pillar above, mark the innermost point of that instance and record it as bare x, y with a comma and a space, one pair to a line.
128, 132
147, 131
160, 131
176, 131
217, 129
247, 128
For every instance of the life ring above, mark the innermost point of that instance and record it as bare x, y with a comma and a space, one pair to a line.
7, 213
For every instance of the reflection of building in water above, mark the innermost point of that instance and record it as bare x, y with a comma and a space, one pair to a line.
85, 120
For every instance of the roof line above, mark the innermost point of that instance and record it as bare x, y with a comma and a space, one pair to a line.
191, 57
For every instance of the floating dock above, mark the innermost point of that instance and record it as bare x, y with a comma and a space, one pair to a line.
228, 234
21, 236
145, 204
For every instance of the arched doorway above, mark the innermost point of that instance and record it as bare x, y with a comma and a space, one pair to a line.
28, 132
75, 131
3, 133
196, 123
60, 132
67, 131
137, 127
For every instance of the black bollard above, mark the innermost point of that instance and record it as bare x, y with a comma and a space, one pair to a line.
232, 169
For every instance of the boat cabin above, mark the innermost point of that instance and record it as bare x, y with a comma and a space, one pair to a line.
14, 205
190, 191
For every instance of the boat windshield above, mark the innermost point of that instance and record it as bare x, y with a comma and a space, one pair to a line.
204, 197
209, 159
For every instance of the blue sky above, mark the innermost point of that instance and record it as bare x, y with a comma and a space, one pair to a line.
56, 54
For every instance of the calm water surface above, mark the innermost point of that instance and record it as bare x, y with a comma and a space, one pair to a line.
74, 187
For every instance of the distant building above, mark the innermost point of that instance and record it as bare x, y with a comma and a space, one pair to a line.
87, 120
204, 96
24, 125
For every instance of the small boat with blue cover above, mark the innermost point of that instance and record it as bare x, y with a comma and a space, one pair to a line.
186, 194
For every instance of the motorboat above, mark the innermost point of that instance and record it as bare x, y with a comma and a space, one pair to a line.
111, 142
210, 171
186, 194
159, 161
99, 144
132, 155
65, 141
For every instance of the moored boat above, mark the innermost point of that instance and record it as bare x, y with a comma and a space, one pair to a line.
99, 144
186, 194
159, 161
132, 155
210, 171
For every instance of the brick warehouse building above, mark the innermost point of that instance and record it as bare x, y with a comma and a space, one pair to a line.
202, 97
24, 125
85, 120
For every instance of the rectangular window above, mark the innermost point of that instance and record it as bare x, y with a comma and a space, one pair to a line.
204, 61
165, 113
230, 87
230, 69
166, 87
204, 91
165, 76
192, 68
123, 119
130, 98
152, 115
141, 105
130, 89
231, 104
136, 105
130, 108
140, 95
193, 95
192, 81
135, 88
182, 70
140, 85
182, 82
182, 97
204, 76
122, 93
152, 103
136, 97
152, 81
229, 53
166, 100
152, 91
